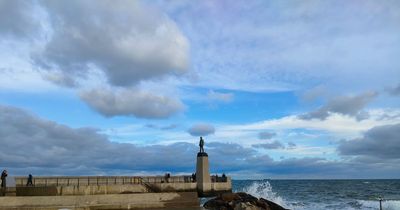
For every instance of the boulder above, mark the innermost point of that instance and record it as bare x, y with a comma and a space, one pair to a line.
229, 197
271, 204
240, 201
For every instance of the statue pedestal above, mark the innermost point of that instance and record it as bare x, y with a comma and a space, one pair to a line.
203, 174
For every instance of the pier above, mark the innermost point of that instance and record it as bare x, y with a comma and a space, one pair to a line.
116, 192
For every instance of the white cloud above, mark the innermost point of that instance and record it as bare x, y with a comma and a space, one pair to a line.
339, 126
292, 45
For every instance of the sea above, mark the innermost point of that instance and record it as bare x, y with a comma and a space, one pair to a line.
325, 194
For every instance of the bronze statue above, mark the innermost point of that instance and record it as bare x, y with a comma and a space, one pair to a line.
201, 144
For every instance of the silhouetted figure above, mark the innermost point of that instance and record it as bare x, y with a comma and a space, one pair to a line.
201, 144
3, 178
29, 182
224, 177
194, 177
166, 177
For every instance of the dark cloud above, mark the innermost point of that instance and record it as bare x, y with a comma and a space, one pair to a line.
266, 135
201, 129
378, 142
313, 94
291, 145
126, 40
131, 102
16, 18
271, 145
30, 142
395, 91
346, 105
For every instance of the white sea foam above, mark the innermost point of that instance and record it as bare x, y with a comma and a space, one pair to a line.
263, 189
386, 205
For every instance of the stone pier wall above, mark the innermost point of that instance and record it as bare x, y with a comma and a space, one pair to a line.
101, 185
116, 201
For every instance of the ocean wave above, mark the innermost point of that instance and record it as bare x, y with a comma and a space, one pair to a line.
263, 188
374, 204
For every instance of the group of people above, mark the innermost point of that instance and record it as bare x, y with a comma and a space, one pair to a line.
4, 175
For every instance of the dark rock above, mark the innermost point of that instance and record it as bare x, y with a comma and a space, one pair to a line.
217, 204
241, 201
272, 205
227, 197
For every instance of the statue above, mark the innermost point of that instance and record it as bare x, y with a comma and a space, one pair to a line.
201, 144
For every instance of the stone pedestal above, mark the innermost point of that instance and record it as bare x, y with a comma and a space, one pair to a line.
203, 174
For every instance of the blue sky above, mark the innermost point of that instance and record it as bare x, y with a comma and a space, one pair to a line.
278, 89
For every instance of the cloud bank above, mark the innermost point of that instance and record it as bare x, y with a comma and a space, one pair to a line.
378, 142
34, 145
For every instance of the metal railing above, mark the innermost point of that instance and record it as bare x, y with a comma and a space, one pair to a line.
100, 180
79, 180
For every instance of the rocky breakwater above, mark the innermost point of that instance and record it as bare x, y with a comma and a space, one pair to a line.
240, 201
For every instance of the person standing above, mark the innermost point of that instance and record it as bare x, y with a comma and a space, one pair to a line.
29, 182
3, 178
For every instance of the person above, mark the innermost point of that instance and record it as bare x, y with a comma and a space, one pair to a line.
3, 178
167, 176
29, 182
223, 177
201, 144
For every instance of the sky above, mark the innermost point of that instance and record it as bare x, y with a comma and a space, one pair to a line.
278, 89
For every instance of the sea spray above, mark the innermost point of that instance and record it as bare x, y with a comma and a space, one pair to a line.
263, 189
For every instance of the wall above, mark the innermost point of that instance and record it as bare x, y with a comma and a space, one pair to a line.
95, 185
80, 190
118, 201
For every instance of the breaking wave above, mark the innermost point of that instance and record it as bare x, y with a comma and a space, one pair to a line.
263, 188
